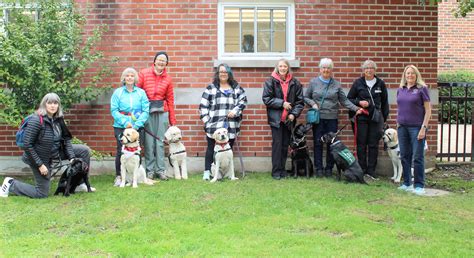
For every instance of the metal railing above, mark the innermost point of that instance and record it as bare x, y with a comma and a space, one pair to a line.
455, 134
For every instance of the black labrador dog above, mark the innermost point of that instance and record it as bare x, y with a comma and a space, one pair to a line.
344, 159
301, 164
76, 173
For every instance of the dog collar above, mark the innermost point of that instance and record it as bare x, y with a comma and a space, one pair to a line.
131, 149
394, 147
224, 150
178, 152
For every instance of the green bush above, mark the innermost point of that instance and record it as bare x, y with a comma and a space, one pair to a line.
50, 54
460, 106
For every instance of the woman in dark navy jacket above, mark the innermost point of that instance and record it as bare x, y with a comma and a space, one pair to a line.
46, 139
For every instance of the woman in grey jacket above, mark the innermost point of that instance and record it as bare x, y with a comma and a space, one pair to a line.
46, 139
325, 93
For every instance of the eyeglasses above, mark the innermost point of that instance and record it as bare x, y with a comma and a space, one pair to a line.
160, 61
220, 72
325, 67
369, 68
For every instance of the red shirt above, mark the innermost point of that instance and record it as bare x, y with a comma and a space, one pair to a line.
158, 87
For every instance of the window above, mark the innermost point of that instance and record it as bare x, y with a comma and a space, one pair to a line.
9, 13
256, 31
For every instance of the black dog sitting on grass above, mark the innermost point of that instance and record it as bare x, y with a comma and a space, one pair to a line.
76, 172
301, 164
344, 159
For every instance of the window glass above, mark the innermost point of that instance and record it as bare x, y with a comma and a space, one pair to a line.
231, 26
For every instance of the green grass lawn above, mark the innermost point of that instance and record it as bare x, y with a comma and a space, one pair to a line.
257, 216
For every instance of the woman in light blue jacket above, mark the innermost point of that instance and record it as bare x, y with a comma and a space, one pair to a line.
129, 106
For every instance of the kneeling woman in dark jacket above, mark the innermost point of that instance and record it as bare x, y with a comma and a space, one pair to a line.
283, 96
46, 139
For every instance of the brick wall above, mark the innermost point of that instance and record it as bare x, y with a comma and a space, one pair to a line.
393, 33
455, 39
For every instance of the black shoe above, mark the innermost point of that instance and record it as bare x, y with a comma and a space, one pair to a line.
319, 173
162, 177
328, 173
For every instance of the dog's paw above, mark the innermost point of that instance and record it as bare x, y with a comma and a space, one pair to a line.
184, 177
135, 185
177, 177
122, 184
234, 178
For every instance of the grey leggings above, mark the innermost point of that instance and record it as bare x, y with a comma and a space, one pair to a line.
41, 188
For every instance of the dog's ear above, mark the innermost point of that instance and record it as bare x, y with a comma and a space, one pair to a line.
395, 135
168, 134
135, 135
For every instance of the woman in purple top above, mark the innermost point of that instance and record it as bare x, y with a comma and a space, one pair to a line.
414, 112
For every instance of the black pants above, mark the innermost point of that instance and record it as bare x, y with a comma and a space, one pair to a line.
210, 152
280, 141
368, 137
117, 132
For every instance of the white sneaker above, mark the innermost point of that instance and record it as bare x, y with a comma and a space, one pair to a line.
207, 175
5, 190
83, 188
117, 181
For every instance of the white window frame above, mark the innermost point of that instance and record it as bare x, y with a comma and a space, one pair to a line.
7, 7
290, 28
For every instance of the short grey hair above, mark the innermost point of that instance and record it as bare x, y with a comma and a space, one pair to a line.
286, 62
369, 63
50, 98
326, 62
126, 72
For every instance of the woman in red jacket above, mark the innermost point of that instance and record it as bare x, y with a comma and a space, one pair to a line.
159, 90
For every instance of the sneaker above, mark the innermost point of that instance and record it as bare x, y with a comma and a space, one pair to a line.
419, 191
406, 188
162, 177
117, 181
207, 175
83, 188
150, 175
5, 190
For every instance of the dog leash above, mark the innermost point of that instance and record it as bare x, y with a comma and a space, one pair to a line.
154, 136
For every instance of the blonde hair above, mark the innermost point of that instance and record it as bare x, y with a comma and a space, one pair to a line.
126, 72
419, 81
49, 98
284, 61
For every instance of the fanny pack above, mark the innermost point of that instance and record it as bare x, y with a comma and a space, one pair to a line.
157, 106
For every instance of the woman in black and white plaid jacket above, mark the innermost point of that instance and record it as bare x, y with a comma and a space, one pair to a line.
221, 106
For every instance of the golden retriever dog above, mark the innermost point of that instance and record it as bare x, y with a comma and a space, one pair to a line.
177, 153
131, 170
223, 165
390, 137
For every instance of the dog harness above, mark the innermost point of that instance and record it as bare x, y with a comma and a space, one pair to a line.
223, 150
174, 153
130, 151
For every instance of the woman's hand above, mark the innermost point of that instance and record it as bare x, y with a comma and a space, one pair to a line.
421, 134
43, 170
287, 105
231, 114
291, 117
315, 106
364, 103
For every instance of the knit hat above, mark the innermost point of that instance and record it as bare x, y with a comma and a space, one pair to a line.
161, 53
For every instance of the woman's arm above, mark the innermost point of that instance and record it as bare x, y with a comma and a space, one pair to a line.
426, 119
205, 105
241, 102
308, 96
145, 108
268, 96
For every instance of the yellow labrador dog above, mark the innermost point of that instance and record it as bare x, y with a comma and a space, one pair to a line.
131, 170
223, 165
177, 152
390, 137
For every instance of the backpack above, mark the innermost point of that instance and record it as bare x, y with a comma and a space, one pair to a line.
20, 134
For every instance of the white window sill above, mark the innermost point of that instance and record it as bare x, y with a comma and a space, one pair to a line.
262, 63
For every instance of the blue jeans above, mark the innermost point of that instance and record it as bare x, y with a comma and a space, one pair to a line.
324, 126
411, 149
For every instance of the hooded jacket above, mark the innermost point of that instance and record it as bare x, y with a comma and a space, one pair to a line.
274, 98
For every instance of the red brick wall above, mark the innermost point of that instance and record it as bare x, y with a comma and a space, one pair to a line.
455, 39
393, 33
